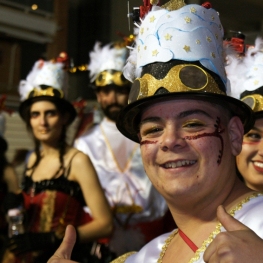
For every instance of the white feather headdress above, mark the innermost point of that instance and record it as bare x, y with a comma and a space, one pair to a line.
246, 73
108, 57
49, 73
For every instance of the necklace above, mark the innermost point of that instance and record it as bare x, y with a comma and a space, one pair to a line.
165, 246
187, 240
211, 236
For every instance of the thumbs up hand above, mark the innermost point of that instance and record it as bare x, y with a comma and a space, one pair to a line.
238, 244
63, 253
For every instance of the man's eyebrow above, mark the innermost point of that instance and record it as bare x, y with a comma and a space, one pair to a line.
149, 119
180, 116
195, 111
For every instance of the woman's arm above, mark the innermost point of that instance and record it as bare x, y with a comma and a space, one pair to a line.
82, 171
11, 179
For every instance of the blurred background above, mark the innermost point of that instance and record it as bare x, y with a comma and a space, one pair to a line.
33, 29
30, 29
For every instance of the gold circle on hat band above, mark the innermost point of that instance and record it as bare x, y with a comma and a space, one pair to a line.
180, 78
36, 92
254, 101
107, 78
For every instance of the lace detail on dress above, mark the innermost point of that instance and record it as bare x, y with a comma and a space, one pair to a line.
61, 183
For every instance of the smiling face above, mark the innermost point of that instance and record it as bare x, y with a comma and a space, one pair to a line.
46, 121
188, 148
250, 160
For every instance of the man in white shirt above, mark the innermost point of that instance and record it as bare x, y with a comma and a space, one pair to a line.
137, 207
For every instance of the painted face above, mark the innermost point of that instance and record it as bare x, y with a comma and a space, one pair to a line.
112, 99
250, 160
46, 122
183, 145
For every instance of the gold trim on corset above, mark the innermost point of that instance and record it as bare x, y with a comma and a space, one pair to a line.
47, 211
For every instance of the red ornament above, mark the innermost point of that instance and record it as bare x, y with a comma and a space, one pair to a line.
207, 5
145, 8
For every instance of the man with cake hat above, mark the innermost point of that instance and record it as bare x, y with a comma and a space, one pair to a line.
137, 207
189, 131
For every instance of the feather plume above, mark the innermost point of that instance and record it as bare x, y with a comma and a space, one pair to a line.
241, 70
108, 57
130, 70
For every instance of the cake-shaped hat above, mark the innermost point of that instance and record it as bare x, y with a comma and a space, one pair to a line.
46, 81
106, 64
246, 77
178, 55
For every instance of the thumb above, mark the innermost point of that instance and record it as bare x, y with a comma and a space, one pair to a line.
228, 221
65, 249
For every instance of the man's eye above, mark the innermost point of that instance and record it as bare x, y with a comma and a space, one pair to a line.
151, 130
193, 124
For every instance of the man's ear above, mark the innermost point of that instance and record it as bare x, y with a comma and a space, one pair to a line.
236, 132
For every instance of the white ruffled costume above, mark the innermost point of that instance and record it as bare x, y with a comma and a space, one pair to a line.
126, 186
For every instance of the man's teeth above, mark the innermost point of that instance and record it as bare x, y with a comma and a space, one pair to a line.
178, 164
259, 164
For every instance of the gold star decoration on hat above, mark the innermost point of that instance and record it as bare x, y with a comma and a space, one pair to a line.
152, 18
168, 37
213, 55
208, 39
186, 48
142, 30
192, 10
155, 53
198, 42
256, 82
188, 19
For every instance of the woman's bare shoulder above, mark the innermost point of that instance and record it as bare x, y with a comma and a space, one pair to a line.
77, 156
31, 159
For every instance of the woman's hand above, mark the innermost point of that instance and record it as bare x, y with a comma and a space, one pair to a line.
63, 253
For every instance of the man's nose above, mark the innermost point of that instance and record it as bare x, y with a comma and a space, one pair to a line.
172, 139
112, 96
